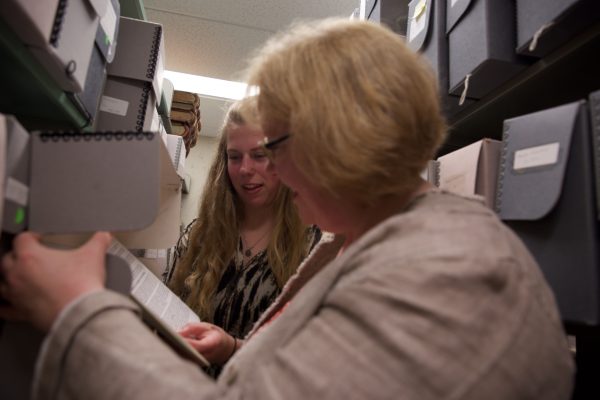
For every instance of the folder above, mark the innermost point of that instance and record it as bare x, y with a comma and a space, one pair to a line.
15, 178
481, 40
471, 170
426, 33
546, 195
84, 182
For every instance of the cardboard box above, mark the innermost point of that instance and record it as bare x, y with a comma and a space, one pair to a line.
471, 170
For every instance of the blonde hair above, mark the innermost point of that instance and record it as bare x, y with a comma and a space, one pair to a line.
362, 108
214, 236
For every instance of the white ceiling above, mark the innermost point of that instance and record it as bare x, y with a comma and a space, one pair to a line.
215, 38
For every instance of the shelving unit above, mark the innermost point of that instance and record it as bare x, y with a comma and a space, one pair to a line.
568, 74
28, 92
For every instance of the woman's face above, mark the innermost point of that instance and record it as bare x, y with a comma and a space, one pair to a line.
249, 169
314, 205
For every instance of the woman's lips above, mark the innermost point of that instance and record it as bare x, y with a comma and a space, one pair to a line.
252, 187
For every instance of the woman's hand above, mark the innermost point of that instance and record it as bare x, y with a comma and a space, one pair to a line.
216, 345
39, 281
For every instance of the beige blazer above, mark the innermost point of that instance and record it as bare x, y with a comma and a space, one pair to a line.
439, 302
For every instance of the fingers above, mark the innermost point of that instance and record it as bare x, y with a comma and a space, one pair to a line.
98, 243
195, 329
26, 240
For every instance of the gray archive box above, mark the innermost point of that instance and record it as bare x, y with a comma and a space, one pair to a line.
426, 33
481, 40
545, 25
392, 13
126, 105
140, 53
84, 182
546, 194
59, 33
103, 53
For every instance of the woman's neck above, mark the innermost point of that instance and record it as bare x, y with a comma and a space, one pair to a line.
257, 218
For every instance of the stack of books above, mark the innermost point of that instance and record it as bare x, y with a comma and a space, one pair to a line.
185, 117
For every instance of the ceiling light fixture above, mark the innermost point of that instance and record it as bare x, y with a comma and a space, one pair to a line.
206, 86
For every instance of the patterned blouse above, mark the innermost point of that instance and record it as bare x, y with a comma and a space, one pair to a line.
245, 291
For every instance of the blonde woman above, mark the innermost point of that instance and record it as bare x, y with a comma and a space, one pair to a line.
247, 241
431, 297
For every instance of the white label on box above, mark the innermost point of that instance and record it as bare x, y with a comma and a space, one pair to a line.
16, 191
537, 156
417, 21
114, 106
109, 23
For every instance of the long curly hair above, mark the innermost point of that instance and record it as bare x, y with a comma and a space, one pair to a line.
214, 236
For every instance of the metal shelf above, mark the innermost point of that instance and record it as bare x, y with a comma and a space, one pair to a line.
568, 74
28, 92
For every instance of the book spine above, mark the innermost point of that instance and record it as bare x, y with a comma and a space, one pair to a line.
595, 128
94, 136
59, 18
502, 168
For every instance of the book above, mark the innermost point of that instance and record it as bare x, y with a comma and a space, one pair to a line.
162, 310
177, 105
186, 97
183, 116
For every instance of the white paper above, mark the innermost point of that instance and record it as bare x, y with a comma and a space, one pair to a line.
152, 293
109, 23
458, 170
16, 191
417, 22
114, 106
537, 156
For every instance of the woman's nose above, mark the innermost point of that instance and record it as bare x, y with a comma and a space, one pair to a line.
247, 164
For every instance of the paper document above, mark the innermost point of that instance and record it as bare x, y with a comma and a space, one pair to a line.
148, 290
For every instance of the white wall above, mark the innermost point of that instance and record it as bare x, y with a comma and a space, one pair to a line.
197, 165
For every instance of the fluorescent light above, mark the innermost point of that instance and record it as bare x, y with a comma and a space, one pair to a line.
206, 86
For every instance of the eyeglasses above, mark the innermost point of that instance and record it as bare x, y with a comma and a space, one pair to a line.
271, 145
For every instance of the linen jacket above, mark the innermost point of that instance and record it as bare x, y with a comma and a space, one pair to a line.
441, 301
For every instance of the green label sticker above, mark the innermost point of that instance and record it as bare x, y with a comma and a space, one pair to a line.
20, 215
